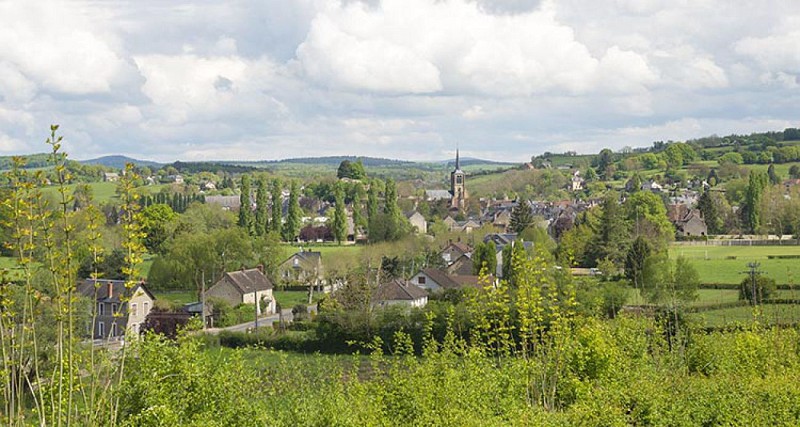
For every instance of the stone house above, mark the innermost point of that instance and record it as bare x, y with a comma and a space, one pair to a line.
455, 250
303, 268
418, 221
399, 292
691, 224
118, 309
245, 287
436, 280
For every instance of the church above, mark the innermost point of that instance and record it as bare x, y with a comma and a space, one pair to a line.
458, 189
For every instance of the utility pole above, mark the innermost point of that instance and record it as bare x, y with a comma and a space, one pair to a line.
203, 298
753, 272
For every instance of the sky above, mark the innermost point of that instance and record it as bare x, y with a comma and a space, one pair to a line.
407, 79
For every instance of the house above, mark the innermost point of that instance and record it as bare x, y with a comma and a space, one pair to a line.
303, 268
418, 221
110, 176
399, 292
436, 280
577, 182
462, 266
208, 186
692, 224
118, 309
177, 179
245, 287
454, 250
227, 203
652, 186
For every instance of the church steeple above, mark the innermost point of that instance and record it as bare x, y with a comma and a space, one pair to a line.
458, 166
458, 188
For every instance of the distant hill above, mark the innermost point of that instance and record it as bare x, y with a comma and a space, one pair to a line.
470, 161
118, 162
32, 161
331, 161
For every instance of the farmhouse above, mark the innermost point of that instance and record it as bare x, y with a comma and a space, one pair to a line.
118, 309
400, 292
245, 287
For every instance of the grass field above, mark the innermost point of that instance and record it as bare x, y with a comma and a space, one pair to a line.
102, 192
327, 251
766, 314
176, 297
289, 299
716, 264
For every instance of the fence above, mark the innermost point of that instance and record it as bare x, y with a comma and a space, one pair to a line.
740, 242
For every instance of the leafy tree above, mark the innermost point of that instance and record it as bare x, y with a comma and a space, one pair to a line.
513, 256
358, 216
774, 179
109, 266
646, 212
763, 286
731, 157
339, 216
277, 207
794, 172
245, 206
261, 225
604, 161
751, 215
292, 226
352, 170
667, 282
484, 258
155, 220
521, 216
613, 236
590, 175
638, 254
711, 215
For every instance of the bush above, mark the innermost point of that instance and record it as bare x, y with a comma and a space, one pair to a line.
763, 287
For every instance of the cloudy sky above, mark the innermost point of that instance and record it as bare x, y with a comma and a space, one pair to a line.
504, 79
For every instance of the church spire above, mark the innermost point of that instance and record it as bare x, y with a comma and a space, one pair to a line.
457, 162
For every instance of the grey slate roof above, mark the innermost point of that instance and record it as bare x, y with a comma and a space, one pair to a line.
249, 281
399, 290
106, 290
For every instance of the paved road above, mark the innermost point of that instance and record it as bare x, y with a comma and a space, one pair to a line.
263, 321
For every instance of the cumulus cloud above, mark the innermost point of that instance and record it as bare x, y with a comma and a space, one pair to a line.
199, 79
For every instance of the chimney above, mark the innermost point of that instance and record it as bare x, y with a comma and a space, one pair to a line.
261, 268
110, 290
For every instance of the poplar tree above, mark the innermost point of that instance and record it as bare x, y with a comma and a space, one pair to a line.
245, 211
262, 212
339, 215
292, 225
277, 207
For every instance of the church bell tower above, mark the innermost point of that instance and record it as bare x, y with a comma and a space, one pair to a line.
458, 188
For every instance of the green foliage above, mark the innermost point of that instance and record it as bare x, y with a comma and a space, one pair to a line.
261, 219
292, 225
245, 205
673, 283
484, 259
756, 289
640, 251
750, 209
339, 216
521, 216
277, 207
352, 170
155, 225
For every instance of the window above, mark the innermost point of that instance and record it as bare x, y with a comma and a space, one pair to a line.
100, 309
146, 308
113, 329
421, 280
134, 309
114, 308
101, 329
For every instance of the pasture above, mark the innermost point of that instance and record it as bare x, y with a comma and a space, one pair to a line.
728, 264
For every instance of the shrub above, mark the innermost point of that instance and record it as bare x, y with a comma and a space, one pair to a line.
763, 287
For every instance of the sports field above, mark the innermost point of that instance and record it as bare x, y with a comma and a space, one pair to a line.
728, 264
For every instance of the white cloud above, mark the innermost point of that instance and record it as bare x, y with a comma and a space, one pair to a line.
58, 46
392, 78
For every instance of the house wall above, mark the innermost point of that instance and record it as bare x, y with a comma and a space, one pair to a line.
143, 304
225, 291
418, 303
429, 284
266, 295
